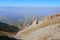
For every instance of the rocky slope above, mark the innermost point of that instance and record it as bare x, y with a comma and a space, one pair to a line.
48, 29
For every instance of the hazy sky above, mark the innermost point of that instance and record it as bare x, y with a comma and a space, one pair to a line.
11, 12
29, 2
48, 7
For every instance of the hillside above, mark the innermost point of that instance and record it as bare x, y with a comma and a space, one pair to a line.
7, 38
49, 29
6, 29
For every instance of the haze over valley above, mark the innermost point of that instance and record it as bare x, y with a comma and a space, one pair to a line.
13, 13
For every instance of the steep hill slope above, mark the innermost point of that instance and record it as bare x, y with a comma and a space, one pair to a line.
49, 29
